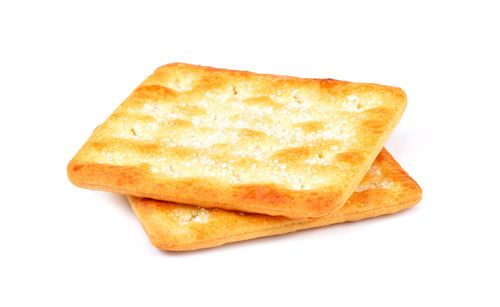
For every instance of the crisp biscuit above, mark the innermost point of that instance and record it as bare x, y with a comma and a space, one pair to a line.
241, 141
385, 189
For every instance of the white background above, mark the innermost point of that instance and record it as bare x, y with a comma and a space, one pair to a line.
65, 67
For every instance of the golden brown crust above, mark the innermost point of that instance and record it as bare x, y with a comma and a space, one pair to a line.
240, 141
385, 189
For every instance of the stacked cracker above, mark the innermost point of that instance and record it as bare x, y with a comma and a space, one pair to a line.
209, 156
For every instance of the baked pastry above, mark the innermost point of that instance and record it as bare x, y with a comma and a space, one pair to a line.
385, 189
237, 140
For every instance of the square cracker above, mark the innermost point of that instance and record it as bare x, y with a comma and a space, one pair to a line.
386, 188
242, 141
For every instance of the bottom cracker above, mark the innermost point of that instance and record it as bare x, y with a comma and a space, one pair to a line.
385, 189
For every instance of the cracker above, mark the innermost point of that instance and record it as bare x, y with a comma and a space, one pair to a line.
241, 141
385, 189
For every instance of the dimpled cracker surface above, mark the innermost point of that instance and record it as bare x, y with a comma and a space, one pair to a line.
240, 141
386, 188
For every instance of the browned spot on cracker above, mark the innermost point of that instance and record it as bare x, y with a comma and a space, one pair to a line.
293, 154
180, 151
211, 83
77, 167
154, 92
352, 157
262, 101
191, 110
179, 123
250, 133
129, 118
380, 112
375, 126
310, 126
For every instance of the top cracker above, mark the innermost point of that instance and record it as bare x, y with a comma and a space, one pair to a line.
241, 141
